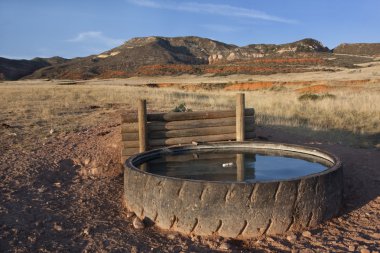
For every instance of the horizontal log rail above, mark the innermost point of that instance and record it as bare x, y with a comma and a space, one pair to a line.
152, 143
184, 124
129, 151
180, 116
187, 132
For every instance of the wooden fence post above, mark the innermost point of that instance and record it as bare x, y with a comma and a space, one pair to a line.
240, 168
240, 107
142, 125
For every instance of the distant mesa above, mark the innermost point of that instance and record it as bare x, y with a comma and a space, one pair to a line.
178, 55
365, 49
16, 69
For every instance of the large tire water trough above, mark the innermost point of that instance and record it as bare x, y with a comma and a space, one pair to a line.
234, 209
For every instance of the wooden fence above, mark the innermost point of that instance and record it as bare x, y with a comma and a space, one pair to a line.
142, 131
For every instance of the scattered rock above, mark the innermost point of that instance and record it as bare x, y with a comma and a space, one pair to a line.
134, 249
225, 246
94, 171
129, 214
57, 227
83, 172
212, 244
195, 238
351, 248
86, 161
32, 239
171, 236
137, 223
291, 237
306, 233
86, 231
365, 251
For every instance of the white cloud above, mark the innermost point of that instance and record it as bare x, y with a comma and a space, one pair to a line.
216, 9
96, 36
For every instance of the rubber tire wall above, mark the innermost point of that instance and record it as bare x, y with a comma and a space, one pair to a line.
236, 210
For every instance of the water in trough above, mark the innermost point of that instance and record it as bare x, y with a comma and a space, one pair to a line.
236, 165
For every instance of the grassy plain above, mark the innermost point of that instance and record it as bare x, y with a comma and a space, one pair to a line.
349, 112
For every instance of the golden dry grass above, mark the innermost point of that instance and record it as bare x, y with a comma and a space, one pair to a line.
356, 112
43, 105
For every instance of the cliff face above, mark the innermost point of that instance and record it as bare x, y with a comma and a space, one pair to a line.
261, 50
371, 49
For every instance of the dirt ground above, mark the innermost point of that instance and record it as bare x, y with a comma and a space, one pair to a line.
62, 193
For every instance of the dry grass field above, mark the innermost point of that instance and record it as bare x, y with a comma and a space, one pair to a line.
59, 160
53, 105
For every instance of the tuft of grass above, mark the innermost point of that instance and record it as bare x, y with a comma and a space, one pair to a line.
182, 108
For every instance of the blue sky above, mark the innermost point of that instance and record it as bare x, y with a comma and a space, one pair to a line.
71, 28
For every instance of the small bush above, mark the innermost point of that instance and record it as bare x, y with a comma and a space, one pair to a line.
277, 88
182, 108
314, 97
328, 95
305, 97
152, 85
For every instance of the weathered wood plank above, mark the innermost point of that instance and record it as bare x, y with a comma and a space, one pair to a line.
130, 128
187, 140
131, 144
142, 118
240, 108
154, 143
186, 124
192, 132
129, 151
130, 136
180, 116
186, 132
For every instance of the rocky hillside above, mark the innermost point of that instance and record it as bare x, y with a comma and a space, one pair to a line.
262, 50
15, 69
371, 49
181, 54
